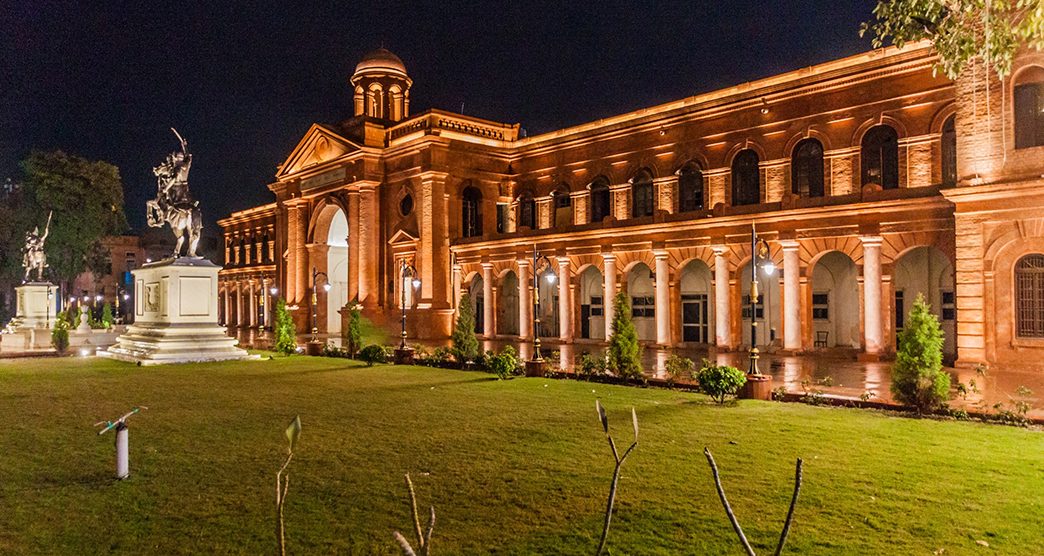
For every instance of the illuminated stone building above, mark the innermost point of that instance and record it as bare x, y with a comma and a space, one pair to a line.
872, 181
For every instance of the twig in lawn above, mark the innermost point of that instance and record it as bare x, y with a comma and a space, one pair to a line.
616, 472
423, 539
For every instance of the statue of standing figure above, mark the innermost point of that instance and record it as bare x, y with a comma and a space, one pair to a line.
173, 204
33, 256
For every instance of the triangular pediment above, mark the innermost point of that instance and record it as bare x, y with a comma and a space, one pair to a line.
401, 237
321, 144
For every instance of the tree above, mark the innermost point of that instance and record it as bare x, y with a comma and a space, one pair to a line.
353, 335
917, 376
86, 198
465, 344
285, 331
625, 354
106, 316
962, 31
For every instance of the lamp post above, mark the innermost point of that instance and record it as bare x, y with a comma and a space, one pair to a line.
758, 386
541, 267
314, 344
410, 278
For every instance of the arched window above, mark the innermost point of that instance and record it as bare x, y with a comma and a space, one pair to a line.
527, 211
563, 207
690, 188
806, 169
949, 151
1029, 296
1029, 108
746, 182
880, 155
600, 200
471, 212
642, 199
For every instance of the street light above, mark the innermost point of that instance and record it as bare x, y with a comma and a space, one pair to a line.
541, 266
758, 250
409, 277
315, 301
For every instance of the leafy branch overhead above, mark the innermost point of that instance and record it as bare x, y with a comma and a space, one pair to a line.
962, 31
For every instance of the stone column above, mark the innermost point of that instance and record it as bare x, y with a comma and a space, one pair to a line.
253, 303
525, 304
301, 270
609, 309
722, 307
239, 304
663, 300
873, 340
456, 287
433, 255
228, 305
368, 244
266, 285
565, 305
487, 300
791, 295
354, 233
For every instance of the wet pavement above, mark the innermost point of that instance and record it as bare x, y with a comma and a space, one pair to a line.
835, 373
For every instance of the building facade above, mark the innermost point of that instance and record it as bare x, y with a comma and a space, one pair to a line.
871, 179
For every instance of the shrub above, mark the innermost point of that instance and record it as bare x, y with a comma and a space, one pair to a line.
465, 344
676, 367
106, 316
60, 333
720, 381
373, 353
441, 357
917, 376
588, 366
353, 335
625, 354
505, 364
483, 361
285, 331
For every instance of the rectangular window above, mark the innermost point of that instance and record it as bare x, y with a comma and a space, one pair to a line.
760, 308
502, 217
1029, 115
949, 305
821, 306
643, 307
131, 261
596, 306
643, 200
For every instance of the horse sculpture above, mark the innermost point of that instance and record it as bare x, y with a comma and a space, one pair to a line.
173, 205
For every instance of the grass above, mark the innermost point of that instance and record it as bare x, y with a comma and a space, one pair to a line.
512, 467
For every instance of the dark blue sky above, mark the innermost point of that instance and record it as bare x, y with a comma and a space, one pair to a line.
243, 81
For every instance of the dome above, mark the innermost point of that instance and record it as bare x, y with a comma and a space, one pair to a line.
383, 59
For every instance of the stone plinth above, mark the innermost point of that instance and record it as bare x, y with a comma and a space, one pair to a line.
34, 309
175, 316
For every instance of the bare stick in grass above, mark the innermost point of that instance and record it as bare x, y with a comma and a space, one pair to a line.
732, 516
423, 538
293, 431
616, 472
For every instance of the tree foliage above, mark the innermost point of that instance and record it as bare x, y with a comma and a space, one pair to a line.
86, 198
353, 335
465, 344
962, 31
625, 354
917, 376
285, 330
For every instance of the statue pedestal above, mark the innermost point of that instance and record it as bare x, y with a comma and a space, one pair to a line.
175, 316
34, 310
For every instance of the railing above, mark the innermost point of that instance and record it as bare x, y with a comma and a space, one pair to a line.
433, 120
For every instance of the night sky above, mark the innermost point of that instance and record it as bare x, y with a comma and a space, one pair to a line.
243, 82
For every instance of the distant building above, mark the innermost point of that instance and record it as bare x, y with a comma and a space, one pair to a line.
872, 179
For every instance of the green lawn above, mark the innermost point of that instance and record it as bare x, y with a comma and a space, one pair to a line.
512, 467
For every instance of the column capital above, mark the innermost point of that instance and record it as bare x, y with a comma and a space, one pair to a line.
871, 241
485, 266
609, 257
660, 254
790, 244
563, 261
522, 262
720, 250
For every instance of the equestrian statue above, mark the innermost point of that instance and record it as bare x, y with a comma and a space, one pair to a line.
33, 256
173, 204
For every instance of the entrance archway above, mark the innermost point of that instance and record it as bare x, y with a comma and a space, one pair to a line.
592, 304
643, 301
835, 302
336, 270
768, 308
928, 272
507, 305
697, 303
